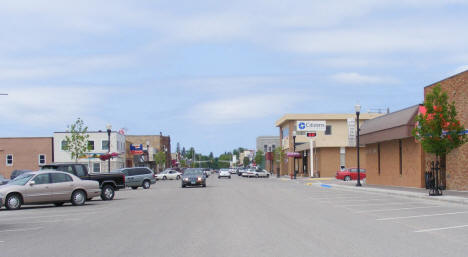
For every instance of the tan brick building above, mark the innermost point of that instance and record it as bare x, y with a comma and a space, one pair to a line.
24, 153
156, 143
333, 148
395, 158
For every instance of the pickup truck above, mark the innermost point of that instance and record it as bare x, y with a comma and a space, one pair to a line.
109, 182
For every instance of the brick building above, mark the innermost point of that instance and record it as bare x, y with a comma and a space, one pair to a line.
150, 144
455, 164
395, 158
24, 153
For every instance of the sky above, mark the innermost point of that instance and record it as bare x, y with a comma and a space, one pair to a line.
216, 74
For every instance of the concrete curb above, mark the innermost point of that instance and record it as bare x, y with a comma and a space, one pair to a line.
442, 198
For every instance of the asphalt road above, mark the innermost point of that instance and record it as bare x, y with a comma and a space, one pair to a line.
238, 217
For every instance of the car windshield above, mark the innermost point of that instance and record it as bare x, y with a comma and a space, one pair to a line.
193, 172
21, 180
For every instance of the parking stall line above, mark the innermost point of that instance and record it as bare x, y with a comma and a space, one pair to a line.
374, 204
52, 216
423, 215
46, 221
20, 229
399, 209
437, 229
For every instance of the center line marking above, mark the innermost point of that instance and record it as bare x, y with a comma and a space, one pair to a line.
423, 215
436, 229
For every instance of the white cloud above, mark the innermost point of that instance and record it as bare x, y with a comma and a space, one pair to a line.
49, 106
356, 78
242, 109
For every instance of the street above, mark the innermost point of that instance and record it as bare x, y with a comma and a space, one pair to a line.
238, 217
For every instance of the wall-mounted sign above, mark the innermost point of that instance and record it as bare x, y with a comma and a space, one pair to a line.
293, 154
351, 132
136, 149
311, 125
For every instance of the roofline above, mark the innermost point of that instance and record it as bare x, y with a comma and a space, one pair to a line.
404, 109
332, 116
63, 132
430, 85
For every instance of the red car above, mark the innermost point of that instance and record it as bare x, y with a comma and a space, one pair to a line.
350, 174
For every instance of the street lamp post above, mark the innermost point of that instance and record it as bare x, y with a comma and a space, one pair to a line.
294, 151
357, 108
109, 130
147, 153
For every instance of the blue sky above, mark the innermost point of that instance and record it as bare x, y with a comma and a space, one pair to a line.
216, 74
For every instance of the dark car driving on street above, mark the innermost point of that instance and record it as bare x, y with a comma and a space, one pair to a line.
194, 177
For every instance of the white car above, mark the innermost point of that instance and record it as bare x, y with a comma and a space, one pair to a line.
232, 171
168, 174
224, 173
256, 173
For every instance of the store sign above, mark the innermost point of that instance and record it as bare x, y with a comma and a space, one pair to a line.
293, 154
351, 132
311, 125
136, 149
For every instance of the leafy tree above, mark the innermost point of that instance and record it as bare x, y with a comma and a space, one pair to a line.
246, 161
211, 155
259, 158
183, 163
160, 159
438, 129
77, 142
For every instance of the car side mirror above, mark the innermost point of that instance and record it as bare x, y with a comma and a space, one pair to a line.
32, 183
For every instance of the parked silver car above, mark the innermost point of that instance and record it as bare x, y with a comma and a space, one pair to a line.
47, 186
138, 177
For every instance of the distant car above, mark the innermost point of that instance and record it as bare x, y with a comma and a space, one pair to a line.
224, 173
138, 177
350, 174
256, 172
47, 186
241, 171
249, 173
168, 174
16, 173
193, 177
232, 170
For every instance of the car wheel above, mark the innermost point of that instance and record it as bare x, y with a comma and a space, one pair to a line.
13, 202
164, 178
78, 197
107, 193
134, 188
204, 185
183, 186
219, 177
268, 175
256, 176
146, 184
178, 177
347, 178
58, 204
229, 177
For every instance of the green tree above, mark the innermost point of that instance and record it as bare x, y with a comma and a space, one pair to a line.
279, 155
77, 142
182, 163
438, 129
246, 161
160, 159
259, 158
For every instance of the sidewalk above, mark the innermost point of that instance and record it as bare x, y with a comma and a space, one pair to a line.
460, 197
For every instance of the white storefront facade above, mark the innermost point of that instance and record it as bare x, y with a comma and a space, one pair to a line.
98, 142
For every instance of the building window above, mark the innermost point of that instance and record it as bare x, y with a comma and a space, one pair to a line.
105, 145
64, 145
91, 145
265, 148
378, 158
9, 160
328, 130
273, 147
401, 156
42, 159
96, 167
